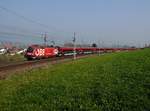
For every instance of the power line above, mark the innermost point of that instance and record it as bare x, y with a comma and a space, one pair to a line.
33, 21
23, 17
17, 34
47, 27
14, 28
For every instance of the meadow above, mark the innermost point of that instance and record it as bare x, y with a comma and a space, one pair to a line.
111, 82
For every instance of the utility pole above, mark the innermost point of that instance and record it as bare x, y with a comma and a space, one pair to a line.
45, 39
74, 46
53, 42
99, 48
118, 44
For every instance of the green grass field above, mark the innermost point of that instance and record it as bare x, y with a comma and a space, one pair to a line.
111, 82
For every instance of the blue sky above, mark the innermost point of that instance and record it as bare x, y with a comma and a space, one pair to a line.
103, 21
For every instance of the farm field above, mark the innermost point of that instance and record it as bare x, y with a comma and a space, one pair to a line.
9, 59
117, 81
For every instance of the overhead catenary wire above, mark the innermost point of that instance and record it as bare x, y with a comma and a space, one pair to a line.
18, 34
22, 17
46, 28
19, 31
9, 29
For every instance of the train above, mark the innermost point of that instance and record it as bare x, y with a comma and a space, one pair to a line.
40, 52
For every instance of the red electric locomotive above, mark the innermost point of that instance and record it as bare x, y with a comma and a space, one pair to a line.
38, 52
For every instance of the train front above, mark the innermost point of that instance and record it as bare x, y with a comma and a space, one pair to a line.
29, 54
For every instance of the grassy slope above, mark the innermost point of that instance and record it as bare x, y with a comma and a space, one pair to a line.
109, 82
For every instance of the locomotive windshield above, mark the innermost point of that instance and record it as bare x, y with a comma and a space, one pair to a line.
30, 49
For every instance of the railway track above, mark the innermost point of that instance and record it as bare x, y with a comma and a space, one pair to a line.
12, 68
